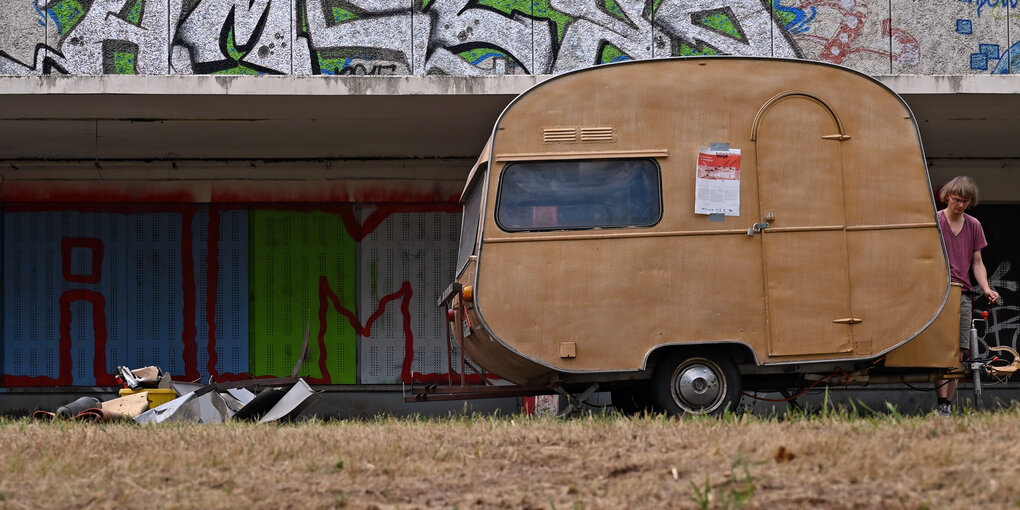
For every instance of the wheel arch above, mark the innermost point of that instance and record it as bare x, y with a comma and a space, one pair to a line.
739, 352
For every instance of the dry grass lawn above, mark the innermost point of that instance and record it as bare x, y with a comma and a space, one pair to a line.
821, 461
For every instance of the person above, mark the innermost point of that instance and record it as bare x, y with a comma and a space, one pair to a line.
964, 238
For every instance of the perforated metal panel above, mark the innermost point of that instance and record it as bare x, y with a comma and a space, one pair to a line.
230, 290
155, 286
140, 281
50, 255
291, 253
418, 249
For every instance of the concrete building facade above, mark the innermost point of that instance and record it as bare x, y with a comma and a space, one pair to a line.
195, 183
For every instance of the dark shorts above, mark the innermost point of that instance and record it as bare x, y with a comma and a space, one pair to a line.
966, 311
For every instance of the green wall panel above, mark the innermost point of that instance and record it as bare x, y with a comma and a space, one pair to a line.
291, 253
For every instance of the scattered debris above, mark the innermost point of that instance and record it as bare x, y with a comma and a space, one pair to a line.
205, 408
151, 397
126, 407
77, 407
290, 405
145, 377
155, 396
280, 399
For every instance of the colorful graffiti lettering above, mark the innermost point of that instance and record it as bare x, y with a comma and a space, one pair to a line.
452, 37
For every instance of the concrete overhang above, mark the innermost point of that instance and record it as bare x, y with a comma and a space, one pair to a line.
271, 117
374, 117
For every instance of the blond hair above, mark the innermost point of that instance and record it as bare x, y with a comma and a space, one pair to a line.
960, 186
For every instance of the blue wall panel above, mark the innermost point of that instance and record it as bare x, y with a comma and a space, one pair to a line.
231, 318
155, 301
53, 254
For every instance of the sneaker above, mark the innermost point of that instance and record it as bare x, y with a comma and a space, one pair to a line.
944, 410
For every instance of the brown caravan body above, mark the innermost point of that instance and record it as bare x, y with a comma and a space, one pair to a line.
587, 260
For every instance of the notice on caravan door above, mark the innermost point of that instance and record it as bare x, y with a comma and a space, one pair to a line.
717, 190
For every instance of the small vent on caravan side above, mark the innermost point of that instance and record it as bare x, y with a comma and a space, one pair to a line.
598, 134
560, 135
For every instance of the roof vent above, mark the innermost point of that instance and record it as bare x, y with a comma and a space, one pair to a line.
560, 135
598, 134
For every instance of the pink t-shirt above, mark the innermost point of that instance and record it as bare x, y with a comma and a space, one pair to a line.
961, 247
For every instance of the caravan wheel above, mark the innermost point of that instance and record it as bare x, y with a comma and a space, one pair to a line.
696, 383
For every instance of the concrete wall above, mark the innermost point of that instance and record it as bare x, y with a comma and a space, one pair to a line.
469, 37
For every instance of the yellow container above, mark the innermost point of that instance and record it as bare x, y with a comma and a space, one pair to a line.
157, 396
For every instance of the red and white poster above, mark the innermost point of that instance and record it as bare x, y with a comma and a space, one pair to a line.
717, 190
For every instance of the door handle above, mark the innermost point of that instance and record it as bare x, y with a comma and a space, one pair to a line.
757, 227
848, 320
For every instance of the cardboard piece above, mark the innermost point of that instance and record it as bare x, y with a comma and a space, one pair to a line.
130, 405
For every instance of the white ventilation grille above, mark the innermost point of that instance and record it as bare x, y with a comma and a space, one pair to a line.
560, 135
598, 134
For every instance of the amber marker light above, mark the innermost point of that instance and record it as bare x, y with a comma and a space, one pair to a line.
469, 292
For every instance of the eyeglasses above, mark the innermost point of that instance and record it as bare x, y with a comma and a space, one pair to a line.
958, 200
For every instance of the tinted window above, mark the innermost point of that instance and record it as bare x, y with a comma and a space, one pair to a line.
469, 223
562, 195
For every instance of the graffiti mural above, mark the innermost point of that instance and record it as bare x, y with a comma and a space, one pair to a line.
843, 32
452, 37
1003, 319
1000, 262
89, 289
225, 292
238, 37
992, 50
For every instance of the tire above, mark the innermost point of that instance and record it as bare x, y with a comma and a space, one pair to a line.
696, 382
632, 400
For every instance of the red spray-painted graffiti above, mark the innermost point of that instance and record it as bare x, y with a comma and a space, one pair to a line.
190, 333
842, 44
327, 296
95, 246
103, 378
358, 231
213, 276
65, 375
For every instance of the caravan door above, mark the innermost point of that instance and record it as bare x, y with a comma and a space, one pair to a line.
804, 249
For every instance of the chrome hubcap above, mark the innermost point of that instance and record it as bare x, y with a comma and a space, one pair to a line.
698, 387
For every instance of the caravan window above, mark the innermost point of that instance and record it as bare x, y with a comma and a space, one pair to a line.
582, 194
469, 223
